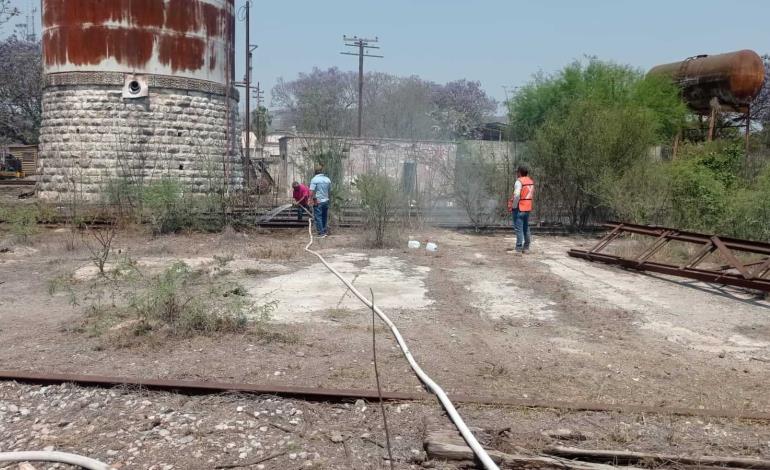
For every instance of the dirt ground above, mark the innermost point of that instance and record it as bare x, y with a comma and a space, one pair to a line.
480, 321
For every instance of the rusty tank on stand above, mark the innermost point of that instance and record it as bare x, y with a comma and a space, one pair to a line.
136, 90
734, 79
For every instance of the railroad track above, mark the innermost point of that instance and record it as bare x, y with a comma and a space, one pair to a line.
17, 183
194, 387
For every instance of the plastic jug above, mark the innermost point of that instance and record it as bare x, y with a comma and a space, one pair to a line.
414, 244
430, 246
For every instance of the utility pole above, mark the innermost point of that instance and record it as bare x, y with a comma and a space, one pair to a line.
247, 84
362, 44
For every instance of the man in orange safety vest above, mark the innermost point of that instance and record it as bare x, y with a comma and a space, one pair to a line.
520, 206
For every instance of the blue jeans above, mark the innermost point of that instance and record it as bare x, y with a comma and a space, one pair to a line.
521, 227
321, 215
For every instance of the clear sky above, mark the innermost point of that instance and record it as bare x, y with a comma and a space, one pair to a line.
498, 42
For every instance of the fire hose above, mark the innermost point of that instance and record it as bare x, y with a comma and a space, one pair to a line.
466, 433
60, 457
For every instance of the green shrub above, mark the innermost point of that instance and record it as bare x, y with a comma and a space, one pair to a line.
698, 197
185, 302
381, 199
23, 220
749, 212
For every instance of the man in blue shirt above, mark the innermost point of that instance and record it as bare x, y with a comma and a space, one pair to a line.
320, 190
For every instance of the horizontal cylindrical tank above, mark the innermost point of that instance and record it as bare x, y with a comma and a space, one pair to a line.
734, 78
183, 38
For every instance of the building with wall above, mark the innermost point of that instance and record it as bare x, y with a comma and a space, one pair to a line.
423, 167
138, 91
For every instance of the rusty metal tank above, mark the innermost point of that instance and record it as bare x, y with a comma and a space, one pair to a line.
181, 38
734, 78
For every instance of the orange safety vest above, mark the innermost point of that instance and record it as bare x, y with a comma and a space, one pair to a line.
525, 196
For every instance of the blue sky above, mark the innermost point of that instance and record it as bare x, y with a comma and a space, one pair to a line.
496, 42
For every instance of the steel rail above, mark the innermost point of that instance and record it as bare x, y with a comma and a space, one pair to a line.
718, 277
194, 387
751, 275
692, 237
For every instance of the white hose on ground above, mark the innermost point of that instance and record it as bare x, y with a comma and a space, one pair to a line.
60, 457
481, 454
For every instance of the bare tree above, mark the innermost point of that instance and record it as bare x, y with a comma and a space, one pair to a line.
760, 107
7, 11
321, 101
20, 88
461, 107
324, 102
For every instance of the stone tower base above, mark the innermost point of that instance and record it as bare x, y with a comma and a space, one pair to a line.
92, 137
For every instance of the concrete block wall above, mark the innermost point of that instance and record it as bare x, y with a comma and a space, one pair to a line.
434, 160
90, 134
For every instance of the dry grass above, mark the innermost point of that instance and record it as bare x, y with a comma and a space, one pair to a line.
339, 314
274, 250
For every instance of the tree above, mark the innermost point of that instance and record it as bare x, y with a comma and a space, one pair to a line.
760, 107
20, 89
321, 101
324, 102
7, 11
260, 120
589, 124
461, 107
600, 82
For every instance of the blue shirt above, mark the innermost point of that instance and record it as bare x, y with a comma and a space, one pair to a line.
321, 185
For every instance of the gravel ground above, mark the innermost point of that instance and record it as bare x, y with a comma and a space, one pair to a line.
151, 430
543, 326
138, 429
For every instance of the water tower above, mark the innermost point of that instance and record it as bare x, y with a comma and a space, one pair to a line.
136, 91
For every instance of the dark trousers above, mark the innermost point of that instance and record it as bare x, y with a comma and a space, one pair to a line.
521, 226
321, 214
302, 207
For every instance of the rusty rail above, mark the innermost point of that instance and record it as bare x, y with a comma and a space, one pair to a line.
752, 275
190, 387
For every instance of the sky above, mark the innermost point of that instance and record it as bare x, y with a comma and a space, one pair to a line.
497, 42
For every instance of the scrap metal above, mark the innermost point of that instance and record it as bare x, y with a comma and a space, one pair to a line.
750, 275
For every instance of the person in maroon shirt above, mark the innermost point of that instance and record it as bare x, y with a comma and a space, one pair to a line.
301, 196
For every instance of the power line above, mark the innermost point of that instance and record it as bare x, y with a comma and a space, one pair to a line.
362, 44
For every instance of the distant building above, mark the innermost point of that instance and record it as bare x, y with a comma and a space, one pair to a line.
424, 167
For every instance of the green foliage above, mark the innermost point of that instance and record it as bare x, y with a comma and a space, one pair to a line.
588, 144
749, 214
698, 198
185, 303
604, 84
164, 203
590, 125
641, 194
22, 220
591, 128
169, 208
381, 198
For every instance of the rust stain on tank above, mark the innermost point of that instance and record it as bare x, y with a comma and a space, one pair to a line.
181, 53
92, 44
183, 33
734, 78
212, 57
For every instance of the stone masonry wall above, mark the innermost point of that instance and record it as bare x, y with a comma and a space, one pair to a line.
90, 135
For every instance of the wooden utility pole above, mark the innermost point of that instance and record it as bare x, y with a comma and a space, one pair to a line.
246, 9
362, 44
